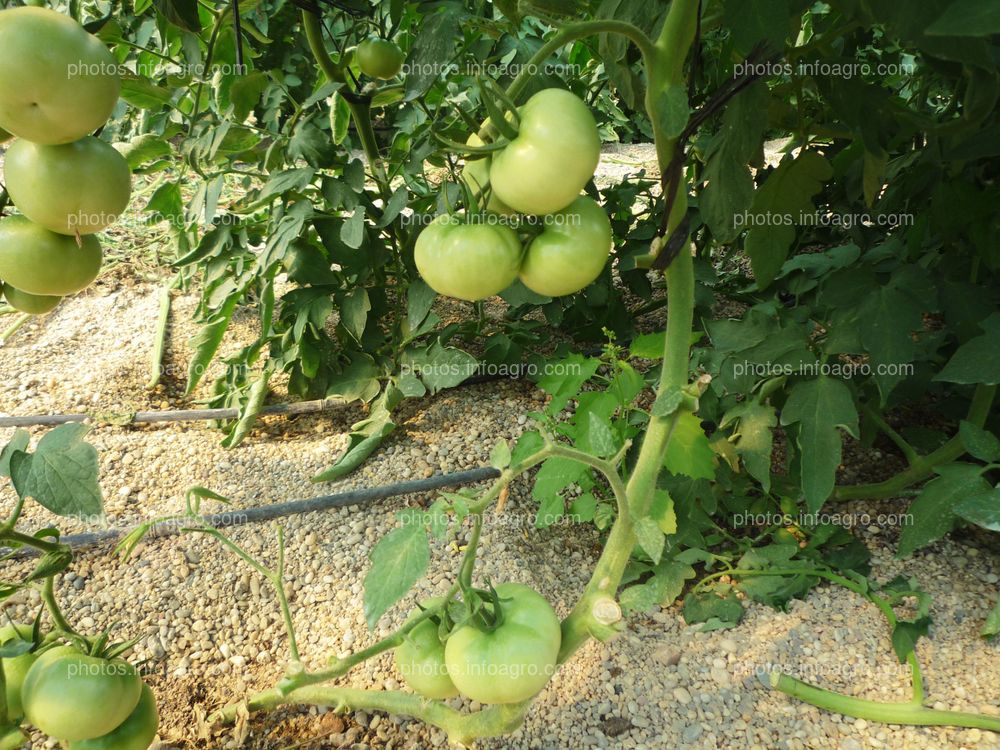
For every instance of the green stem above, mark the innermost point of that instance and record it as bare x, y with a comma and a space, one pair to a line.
360, 108
14, 328
888, 713
278, 579
924, 466
220, 19
461, 728
575, 31
908, 450
49, 599
12, 738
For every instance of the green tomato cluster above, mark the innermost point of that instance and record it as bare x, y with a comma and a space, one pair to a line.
507, 664
67, 184
85, 702
483, 255
540, 173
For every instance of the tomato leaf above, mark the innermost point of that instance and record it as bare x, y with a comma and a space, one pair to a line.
650, 537
18, 443
982, 510
689, 452
779, 202
754, 436
978, 442
933, 512
821, 407
181, 13
967, 18
398, 561
63, 473
977, 360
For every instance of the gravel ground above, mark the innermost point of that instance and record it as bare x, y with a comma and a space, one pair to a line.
211, 630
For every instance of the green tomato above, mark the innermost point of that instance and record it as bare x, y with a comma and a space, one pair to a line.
74, 697
420, 659
553, 156
515, 660
476, 175
15, 668
470, 261
570, 252
80, 187
33, 304
380, 58
135, 733
61, 82
37, 261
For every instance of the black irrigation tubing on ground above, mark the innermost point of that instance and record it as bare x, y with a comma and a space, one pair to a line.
259, 513
513, 372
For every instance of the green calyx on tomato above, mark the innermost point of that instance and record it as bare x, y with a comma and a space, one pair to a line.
552, 158
74, 697
17, 637
67, 81
571, 251
80, 187
379, 58
33, 304
420, 658
4, 136
470, 260
135, 733
515, 659
37, 261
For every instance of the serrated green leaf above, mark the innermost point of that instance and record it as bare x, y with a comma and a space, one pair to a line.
689, 452
500, 455
822, 408
704, 606
933, 512
977, 360
754, 434
779, 202
982, 510
650, 537
979, 443
398, 561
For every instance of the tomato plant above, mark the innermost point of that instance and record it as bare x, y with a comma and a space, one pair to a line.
511, 657
323, 202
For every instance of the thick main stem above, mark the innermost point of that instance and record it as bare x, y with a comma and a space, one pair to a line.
923, 467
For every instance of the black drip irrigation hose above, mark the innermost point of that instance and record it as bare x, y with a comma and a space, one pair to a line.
259, 513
